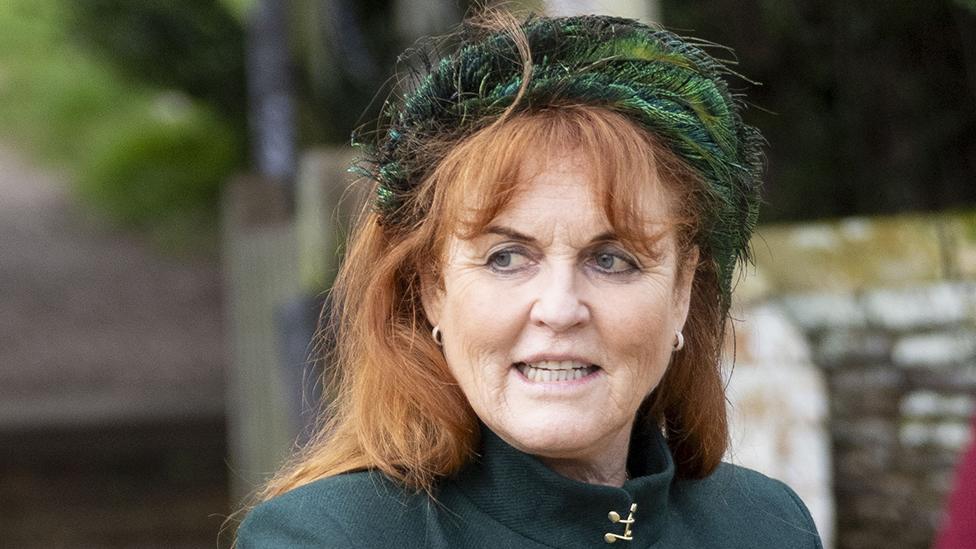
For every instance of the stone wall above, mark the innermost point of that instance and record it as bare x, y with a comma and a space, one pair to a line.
900, 371
887, 310
778, 410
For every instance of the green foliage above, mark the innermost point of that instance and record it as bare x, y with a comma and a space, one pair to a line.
967, 4
161, 165
49, 92
238, 8
867, 110
196, 46
151, 158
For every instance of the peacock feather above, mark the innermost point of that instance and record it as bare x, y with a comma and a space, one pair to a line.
667, 84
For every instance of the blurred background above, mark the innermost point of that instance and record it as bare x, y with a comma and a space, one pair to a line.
173, 199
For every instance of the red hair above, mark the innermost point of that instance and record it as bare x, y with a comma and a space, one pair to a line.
394, 406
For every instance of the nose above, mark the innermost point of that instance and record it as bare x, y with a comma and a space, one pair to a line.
558, 305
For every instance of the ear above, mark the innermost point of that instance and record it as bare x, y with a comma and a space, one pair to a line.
431, 295
684, 281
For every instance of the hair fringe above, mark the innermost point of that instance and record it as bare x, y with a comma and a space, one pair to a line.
425, 429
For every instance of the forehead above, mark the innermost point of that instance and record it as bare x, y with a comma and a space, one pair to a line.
563, 187
620, 192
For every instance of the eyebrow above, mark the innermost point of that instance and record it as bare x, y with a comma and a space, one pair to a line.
515, 235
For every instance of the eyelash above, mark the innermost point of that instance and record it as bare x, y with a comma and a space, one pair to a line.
515, 250
633, 265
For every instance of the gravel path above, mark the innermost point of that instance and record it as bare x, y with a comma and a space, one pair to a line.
95, 327
111, 380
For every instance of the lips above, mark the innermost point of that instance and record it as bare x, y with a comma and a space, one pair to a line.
547, 371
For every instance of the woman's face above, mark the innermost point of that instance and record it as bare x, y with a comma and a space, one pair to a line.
554, 329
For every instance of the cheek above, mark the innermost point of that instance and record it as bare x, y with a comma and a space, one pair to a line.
638, 329
480, 328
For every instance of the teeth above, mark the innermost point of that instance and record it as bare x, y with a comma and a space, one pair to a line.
555, 371
559, 365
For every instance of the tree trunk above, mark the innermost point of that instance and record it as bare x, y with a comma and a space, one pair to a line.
270, 91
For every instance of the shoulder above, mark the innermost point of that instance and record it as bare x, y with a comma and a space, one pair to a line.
747, 504
330, 512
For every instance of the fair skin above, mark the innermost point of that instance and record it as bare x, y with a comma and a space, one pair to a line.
555, 330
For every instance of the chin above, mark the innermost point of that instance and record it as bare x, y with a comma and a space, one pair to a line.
553, 435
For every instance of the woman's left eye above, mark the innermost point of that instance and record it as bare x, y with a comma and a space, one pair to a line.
612, 263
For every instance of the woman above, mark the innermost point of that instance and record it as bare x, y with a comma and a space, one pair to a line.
531, 316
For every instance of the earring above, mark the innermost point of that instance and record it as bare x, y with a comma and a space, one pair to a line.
436, 333
679, 343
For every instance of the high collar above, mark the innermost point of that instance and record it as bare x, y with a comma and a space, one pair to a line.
518, 491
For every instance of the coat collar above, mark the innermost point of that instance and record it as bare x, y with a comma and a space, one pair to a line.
521, 493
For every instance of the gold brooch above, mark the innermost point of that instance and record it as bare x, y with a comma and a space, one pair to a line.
627, 522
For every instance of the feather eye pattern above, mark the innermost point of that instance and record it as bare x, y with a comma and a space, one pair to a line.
666, 84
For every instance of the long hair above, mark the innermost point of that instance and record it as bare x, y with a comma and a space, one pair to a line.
393, 405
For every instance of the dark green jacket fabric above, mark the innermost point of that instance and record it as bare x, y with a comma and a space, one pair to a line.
508, 499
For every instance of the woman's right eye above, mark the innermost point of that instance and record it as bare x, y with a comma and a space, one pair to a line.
507, 260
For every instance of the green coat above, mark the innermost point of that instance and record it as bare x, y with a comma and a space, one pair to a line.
508, 499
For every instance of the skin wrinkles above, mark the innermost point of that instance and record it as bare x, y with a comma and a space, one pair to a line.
549, 295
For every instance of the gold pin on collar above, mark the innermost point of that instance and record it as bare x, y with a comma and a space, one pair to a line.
627, 522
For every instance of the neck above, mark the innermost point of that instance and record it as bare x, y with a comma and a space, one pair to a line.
608, 466
526, 493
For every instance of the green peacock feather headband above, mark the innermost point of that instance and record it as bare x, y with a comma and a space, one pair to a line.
666, 84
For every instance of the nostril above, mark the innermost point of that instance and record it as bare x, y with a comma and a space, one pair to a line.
559, 314
559, 304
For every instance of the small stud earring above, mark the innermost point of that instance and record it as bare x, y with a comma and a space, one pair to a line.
679, 343
436, 333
